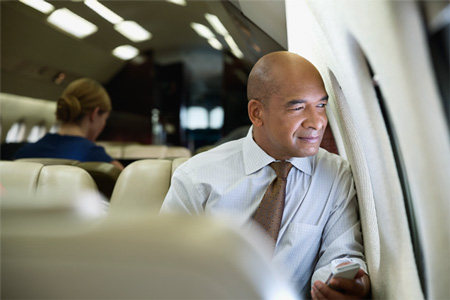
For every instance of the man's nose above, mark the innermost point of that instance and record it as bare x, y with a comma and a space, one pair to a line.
314, 119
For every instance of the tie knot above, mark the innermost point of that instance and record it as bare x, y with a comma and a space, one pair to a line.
282, 168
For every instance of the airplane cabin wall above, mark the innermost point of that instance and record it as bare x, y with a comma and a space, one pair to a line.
30, 111
341, 38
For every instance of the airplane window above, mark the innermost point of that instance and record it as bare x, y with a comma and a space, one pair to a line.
54, 128
197, 118
36, 133
400, 166
216, 116
16, 133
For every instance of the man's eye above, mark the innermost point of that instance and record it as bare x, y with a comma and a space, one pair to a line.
298, 108
322, 105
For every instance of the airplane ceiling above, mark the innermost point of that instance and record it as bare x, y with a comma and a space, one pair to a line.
33, 52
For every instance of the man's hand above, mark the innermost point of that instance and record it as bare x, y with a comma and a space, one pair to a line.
341, 288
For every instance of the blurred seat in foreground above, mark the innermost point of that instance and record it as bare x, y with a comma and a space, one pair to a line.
134, 257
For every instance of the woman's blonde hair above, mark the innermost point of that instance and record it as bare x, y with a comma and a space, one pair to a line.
80, 98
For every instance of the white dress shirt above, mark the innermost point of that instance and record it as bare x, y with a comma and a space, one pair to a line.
320, 226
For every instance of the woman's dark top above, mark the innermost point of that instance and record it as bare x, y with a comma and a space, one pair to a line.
64, 146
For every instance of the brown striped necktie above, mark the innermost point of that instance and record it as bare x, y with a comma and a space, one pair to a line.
270, 210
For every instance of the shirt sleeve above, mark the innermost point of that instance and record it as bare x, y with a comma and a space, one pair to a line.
183, 196
342, 237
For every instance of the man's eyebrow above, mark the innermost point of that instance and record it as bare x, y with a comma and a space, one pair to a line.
300, 101
295, 102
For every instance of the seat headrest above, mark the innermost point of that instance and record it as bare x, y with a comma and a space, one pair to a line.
31, 179
137, 257
50, 161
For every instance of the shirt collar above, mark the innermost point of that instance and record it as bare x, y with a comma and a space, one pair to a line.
255, 158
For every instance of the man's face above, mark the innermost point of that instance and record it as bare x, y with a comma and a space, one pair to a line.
294, 118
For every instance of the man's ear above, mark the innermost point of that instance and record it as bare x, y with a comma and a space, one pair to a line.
94, 114
255, 112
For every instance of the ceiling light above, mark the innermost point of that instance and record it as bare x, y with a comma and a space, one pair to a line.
202, 30
40, 5
71, 23
125, 52
179, 2
133, 31
103, 11
234, 47
215, 44
216, 24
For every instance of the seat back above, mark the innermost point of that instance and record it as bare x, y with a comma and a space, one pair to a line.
142, 185
50, 161
104, 174
176, 151
136, 257
20, 176
128, 151
177, 162
32, 179
144, 151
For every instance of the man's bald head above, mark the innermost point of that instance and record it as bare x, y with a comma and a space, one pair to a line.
269, 73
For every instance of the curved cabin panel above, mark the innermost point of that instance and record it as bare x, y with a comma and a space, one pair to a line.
376, 62
28, 111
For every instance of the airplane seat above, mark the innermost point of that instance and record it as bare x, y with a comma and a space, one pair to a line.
177, 151
19, 176
203, 149
144, 151
47, 161
33, 180
177, 162
136, 257
104, 174
138, 151
142, 185
128, 152
113, 150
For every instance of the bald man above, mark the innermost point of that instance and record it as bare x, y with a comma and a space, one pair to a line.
319, 228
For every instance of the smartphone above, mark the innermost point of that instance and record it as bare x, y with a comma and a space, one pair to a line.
346, 271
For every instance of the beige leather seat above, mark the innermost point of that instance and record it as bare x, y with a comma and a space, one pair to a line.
115, 151
104, 174
177, 162
142, 185
144, 151
30, 179
139, 151
174, 151
50, 161
136, 257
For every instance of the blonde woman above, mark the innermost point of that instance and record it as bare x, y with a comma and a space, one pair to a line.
82, 111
